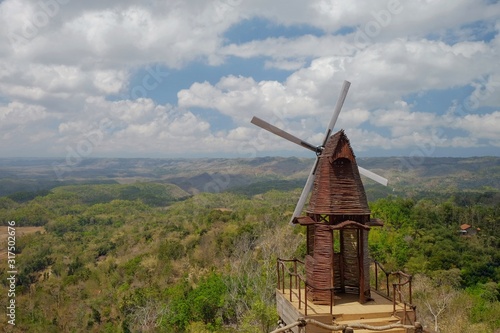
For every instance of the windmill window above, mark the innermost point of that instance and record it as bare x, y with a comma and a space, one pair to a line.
342, 168
341, 162
310, 240
336, 241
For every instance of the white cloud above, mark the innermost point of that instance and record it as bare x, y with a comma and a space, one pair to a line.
65, 67
287, 65
486, 126
18, 114
363, 140
110, 81
383, 71
24, 128
403, 121
240, 98
486, 92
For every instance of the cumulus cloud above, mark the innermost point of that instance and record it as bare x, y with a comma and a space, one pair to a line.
242, 97
402, 121
482, 126
67, 75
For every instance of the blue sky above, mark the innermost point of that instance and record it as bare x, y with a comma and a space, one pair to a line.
184, 78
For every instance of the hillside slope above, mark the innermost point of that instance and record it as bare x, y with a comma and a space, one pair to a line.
406, 175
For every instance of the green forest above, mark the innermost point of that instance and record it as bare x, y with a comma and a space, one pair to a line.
150, 257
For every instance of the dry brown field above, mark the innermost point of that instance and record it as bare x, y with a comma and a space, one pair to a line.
20, 231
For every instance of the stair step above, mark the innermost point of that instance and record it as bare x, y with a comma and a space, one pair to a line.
351, 317
392, 330
380, 321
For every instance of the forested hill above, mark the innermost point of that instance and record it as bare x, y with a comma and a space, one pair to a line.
139, 245
408, 176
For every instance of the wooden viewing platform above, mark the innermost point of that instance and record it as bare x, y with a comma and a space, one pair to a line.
383, 307
331, 289
347, 310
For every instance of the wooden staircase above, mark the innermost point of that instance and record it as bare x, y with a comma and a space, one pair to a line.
372, 319
384, 307
347, 311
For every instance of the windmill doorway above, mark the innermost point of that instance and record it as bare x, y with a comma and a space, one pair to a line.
348, 260
337, 259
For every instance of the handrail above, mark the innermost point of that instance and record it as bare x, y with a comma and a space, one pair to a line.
299, 279
292, 260
347, 328
403, 280
378, 265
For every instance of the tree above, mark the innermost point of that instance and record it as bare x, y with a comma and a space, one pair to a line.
148, 317
207, 300
435, 295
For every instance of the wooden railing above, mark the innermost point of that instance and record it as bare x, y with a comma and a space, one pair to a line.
401, 291
295, 279
346, 328
378, 268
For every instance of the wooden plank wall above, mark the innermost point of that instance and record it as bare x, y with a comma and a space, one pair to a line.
351, 265
367, 262
322, 272
287, 312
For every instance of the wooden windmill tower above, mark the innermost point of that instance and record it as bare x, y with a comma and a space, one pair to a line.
337, 221
337, 218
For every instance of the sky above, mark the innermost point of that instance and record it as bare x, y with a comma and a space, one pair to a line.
122, 78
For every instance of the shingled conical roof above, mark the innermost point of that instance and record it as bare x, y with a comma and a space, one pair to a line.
338, 189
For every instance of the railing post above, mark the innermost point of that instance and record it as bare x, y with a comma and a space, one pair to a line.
295, 271
387, 283
283, 280
399, 279
394, 298
290, 283
404, 311
331, 301
278, 272
305, 298
376, 276
300, 295
409, 286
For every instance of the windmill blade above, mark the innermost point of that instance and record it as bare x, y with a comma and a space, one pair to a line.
310, 180
336, 111
373, 176
305, 192
285, 135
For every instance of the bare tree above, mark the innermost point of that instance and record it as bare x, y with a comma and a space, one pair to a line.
433, 297
252, 267
148, 317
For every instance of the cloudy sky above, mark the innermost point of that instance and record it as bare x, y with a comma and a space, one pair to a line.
124, 78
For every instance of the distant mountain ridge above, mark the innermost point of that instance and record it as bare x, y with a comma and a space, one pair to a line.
405, 174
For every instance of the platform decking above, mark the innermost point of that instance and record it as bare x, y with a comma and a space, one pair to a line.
347, 309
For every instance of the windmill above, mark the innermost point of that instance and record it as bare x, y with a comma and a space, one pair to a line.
337, 219
317, 149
